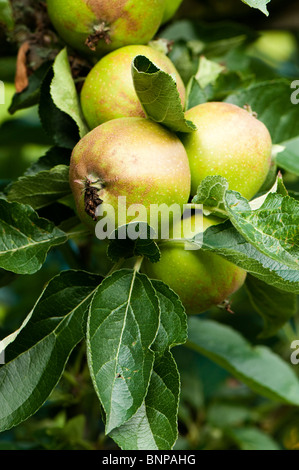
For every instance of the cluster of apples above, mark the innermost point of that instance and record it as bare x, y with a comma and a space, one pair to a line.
127, 154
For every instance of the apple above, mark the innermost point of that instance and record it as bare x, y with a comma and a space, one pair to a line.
132, 158
170, 9
201, 279
108, 91
230, 142
274, 47
97, 26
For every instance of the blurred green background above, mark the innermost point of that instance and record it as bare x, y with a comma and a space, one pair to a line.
216, 412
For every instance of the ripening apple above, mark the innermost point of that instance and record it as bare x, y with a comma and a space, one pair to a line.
170, 9
98, 26
108, 91
132, 158
201, 279
230, 142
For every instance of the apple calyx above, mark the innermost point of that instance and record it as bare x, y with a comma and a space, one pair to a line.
225, 305
91, 196
100, 32
248, 108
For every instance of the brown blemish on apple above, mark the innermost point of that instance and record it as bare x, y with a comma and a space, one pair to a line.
103, 9
107, 16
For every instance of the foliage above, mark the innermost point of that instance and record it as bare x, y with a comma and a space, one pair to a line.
106, 358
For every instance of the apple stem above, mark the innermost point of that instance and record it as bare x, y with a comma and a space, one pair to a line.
138, 264
101, 31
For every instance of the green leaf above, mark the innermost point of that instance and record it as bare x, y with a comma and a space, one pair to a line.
288, 159
53, 157
6, 14
275, 306
227, 242
58, 125
211, 193
41, 189
123, 322
30, 96
225, 415
64, 93
121, 246
271, 100
259, 4
154, 425
253, 366
273, 228
173, 324
208, 72
39, 352
25, 238
195, 95
251, 438
268, 224
159, 96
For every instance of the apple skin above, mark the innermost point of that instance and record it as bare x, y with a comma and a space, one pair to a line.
108, 91
129, 21
229, 142
201, 279
132, 157
170, 10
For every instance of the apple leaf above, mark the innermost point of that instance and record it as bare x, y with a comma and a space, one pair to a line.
226, 241
253, 366
64, 93
30, 96
121, 246
154, 426
269, 224
58, 125
251, 438
195, 95
173, 323
288, 159
53, 157
41, 189
159, 96
211, 193
37, 353
273, 228
208, 72
275, 306
25, 238
259, 4
123, 322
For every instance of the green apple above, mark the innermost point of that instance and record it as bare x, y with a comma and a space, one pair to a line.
170, 9
274, 46
201, 279
98, 26
230, 142
108, 91
131, 158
